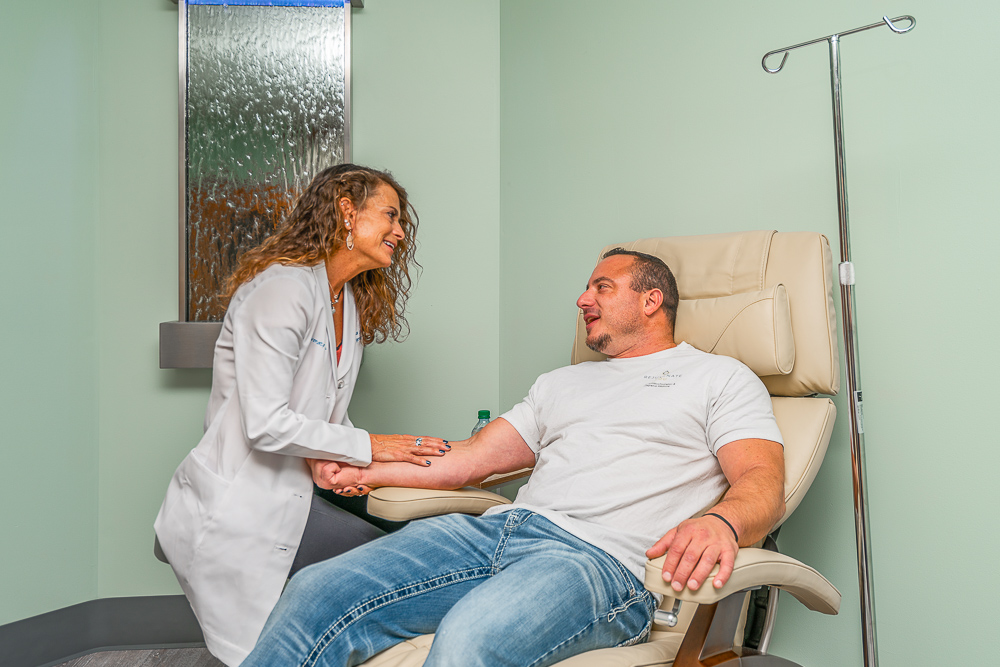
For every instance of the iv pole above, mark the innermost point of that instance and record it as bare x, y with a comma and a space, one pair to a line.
857, 426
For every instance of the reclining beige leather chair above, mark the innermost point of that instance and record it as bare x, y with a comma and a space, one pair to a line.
765, 298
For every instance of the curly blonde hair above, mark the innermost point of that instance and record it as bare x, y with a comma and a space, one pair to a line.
315, 229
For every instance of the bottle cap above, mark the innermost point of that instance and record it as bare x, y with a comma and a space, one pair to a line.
484, 414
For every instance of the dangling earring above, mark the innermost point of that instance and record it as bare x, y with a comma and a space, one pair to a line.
350, 239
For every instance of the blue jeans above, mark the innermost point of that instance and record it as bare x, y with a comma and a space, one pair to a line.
506, 589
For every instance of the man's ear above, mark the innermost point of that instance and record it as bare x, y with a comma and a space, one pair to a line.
653, 300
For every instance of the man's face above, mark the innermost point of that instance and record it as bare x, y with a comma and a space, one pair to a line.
612, 310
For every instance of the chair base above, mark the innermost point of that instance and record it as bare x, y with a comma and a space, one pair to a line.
709, 641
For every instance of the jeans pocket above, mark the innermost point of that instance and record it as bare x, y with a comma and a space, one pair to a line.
627, 578
640, 637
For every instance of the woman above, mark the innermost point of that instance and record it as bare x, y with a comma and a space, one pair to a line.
303, 305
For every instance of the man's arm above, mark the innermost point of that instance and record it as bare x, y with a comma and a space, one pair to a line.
754, 503
497, 448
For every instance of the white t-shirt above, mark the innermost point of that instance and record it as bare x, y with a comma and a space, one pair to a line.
626, 449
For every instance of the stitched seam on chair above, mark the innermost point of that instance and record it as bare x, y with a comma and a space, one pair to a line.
737, 314
764, 255
831, 340
832, 332
732, 268
359, 612
774, 326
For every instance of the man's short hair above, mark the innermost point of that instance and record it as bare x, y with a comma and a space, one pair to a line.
650, 272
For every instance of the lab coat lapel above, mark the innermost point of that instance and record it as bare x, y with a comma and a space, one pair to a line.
319, 272
350, 335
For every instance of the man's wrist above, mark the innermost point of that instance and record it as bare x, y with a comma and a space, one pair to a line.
724, 520
365, 476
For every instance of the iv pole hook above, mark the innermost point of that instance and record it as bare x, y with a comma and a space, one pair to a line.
886, 21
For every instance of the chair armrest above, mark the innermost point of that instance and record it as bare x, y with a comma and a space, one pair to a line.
753, 568
401, 504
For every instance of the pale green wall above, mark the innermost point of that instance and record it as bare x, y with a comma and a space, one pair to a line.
48, 369
425, 79
652, 118
149, 418
530, 134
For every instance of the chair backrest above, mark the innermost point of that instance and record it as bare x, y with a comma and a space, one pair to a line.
765, 298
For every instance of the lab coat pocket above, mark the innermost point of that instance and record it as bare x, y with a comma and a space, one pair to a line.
207, 487
199, 499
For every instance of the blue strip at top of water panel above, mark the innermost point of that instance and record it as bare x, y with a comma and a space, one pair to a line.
271, 3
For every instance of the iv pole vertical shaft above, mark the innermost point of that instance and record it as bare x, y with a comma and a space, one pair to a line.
846, 270
867, 592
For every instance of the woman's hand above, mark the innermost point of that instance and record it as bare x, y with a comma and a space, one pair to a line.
407, 448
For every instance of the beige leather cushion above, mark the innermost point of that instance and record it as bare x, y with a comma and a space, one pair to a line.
410, 653
801, 261
401, 504
659, 651
721, 265
754, 327
806, 425
756, 567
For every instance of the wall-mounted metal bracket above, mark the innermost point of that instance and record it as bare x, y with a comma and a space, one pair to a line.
355, 4
188, 344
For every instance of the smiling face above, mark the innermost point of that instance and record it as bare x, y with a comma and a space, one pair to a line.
376, 228
612, 310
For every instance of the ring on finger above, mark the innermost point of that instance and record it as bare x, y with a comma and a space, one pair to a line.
418, 441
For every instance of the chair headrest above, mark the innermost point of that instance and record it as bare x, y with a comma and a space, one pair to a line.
763, 297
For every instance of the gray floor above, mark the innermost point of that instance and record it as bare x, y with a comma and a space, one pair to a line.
163, 657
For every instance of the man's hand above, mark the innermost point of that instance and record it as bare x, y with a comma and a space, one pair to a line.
754, 503
334, 475
693, 548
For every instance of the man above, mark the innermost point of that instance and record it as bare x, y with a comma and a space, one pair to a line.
624, 451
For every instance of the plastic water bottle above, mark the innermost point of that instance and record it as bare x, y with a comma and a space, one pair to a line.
484, 419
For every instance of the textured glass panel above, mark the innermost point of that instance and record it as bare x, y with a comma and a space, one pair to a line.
265, 113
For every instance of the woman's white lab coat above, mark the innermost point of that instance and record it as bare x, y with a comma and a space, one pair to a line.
236, 508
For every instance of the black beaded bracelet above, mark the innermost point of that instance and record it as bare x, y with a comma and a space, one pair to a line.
719, 516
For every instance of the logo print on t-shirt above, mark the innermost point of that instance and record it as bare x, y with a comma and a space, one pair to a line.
663, 379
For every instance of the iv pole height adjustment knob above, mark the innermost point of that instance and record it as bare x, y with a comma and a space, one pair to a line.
846, 273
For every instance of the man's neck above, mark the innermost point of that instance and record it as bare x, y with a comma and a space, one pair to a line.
643, 348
